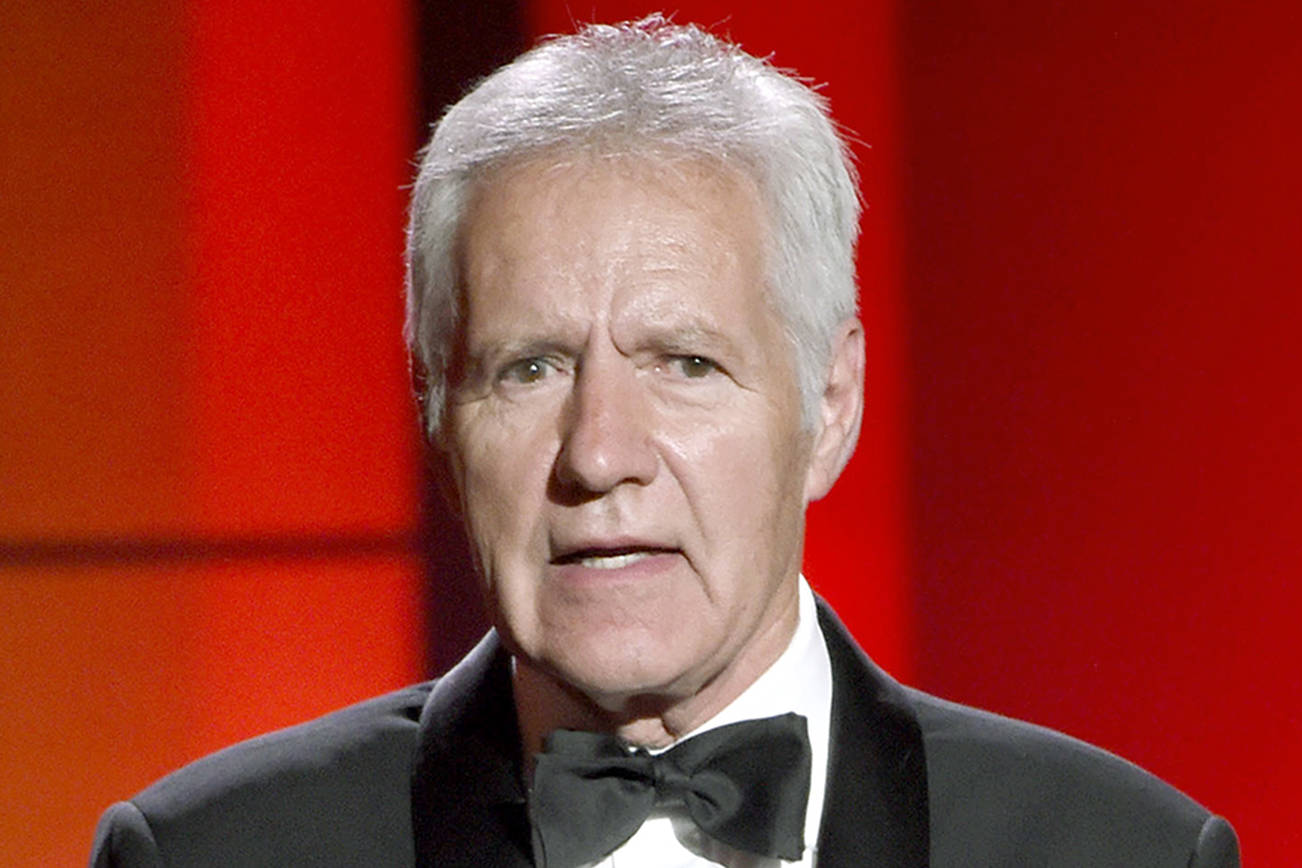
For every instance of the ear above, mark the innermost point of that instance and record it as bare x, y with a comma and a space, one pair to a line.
840, 411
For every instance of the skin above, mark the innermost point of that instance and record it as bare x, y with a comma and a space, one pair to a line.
625, 435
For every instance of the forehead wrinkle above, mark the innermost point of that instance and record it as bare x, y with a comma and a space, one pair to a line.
612, 271
635, 288
528, 327
556, 186
512, 304
656, 322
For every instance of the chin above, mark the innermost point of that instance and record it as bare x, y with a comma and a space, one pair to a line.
621, 671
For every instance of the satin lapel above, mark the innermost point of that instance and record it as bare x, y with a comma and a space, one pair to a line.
875, 811
468, 805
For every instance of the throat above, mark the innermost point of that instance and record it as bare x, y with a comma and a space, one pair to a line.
543, 704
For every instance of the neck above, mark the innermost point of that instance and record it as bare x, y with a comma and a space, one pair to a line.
544, 702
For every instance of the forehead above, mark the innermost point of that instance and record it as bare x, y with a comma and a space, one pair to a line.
666, 170
571, 213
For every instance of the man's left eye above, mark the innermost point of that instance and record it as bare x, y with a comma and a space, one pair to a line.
693, 367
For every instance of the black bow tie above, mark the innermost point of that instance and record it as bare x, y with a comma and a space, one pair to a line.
745, 784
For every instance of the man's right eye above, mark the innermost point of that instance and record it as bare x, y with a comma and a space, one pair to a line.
526, 371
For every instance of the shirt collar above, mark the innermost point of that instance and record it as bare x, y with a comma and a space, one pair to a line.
799, 681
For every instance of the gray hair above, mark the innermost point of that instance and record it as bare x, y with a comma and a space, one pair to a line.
657, 89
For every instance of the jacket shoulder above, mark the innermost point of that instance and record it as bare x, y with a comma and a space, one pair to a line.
998, 786
335, 790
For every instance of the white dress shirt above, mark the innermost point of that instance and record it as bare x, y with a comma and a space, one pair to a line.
800, 680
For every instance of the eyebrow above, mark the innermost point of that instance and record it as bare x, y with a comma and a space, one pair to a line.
686, 337
688, 334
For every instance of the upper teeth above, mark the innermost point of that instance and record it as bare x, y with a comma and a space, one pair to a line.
612, 562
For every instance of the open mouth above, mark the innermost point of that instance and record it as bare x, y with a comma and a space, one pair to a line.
608, 559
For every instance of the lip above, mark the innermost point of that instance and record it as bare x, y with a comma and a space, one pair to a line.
611, 559
566, 551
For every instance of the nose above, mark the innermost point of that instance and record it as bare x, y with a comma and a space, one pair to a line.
606, 438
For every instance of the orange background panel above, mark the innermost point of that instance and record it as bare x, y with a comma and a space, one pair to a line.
92, 249
276, 642
117, 675
208, 476
94, 698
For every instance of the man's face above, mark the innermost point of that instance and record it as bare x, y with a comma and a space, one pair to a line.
626, 430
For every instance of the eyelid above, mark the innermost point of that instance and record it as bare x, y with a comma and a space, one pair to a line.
507, 370
710, 364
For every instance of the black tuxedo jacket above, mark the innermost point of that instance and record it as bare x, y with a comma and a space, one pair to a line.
430, 776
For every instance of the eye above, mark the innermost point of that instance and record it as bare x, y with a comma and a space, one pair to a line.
693, 367
526, 371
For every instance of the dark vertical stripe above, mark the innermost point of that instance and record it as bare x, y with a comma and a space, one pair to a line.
457, 44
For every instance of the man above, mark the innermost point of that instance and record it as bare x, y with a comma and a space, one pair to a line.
632, 293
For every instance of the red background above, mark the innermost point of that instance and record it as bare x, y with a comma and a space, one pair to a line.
1076, 498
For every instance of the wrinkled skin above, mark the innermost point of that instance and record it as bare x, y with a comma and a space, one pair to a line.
626, 436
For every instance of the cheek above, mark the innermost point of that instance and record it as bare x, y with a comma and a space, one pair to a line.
740, 476
502, 480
